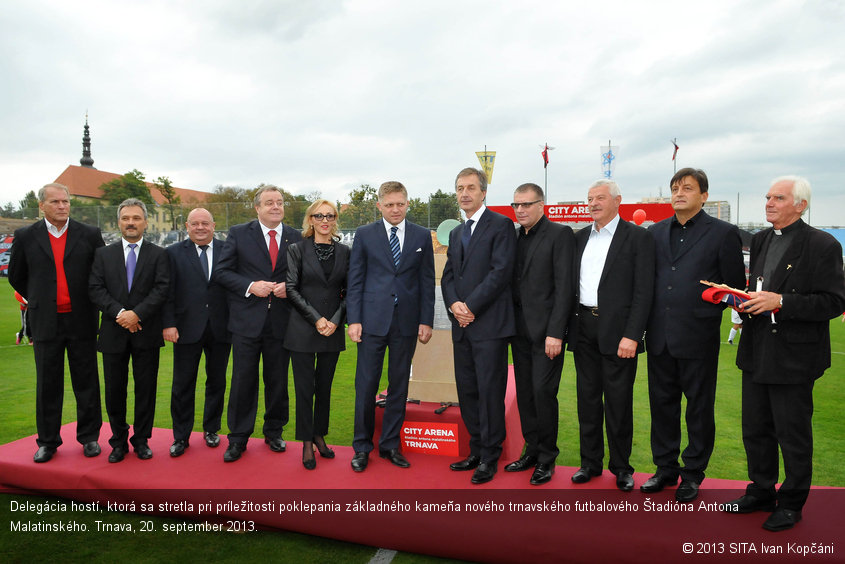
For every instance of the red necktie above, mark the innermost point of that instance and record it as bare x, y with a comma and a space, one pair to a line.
274, 248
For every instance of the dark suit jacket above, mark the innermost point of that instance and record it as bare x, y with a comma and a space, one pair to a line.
373, 281
680, 320
32, 272
625, 290
796, 349
193, 300
108, 289
544, 287
313, 295
246, 259
482, 278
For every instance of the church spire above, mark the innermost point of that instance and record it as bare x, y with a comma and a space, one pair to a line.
86, 159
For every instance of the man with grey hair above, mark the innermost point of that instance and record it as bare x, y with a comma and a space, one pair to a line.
49, 266
129, 283
796, 271
253, 268
614, 283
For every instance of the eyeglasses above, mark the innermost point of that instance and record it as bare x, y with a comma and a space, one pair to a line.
327, 216
517, 205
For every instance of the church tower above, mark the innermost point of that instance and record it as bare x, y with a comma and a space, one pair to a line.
86, 159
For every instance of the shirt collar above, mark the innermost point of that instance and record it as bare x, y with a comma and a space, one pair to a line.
400, 225
55, 231
127, 243
610, 227
690, 221
477, 215
791, 227
266, 230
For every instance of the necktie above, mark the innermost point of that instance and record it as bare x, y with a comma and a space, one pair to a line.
467, 233
274, 248
131, 261
204, 260
394, 246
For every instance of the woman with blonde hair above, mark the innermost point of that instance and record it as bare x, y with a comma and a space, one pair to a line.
316, 287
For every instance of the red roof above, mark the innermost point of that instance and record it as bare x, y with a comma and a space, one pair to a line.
86, 182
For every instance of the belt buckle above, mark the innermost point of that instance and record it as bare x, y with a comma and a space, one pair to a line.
595, 311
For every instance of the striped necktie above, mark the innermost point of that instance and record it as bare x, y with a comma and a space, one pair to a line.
394, 246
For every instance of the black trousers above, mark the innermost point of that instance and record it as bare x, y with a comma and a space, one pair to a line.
370, 362
778, 415
605, 388
116, 377
481, 374
537, 379
695, 378
312, 381
50, 385
243, 396
186, 361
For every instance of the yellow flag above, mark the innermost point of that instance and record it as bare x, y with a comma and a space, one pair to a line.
487, 160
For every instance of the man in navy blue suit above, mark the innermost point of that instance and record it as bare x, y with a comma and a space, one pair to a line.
476, 286
682, 338
253, 267
195, 318
389, 305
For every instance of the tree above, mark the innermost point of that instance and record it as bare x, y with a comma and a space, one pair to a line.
361, 209
418, 211
29, 205
92, 213
230, 205
130, 185
443, 206
163, 185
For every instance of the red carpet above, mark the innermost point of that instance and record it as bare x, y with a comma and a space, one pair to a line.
414, 510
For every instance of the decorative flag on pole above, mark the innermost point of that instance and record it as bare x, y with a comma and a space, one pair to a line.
487, 160
608, 156
545, 154
675, 152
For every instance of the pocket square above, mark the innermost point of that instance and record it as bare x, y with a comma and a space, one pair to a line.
418, 250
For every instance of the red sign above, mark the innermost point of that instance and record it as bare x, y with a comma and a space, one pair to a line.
430, 438
580, 213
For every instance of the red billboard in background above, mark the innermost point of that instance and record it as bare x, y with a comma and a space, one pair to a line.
580, 213
5, 247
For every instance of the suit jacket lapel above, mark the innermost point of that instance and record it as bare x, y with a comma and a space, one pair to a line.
535, 239
193, 258
143, 251
72, 236
790, 258
43, 237
695, 236
615, 244
258, 236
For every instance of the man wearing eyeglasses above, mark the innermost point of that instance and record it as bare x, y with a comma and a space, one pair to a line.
542, 297
389, 305
614, 281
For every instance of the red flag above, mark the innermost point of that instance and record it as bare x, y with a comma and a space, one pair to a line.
675, 152
545, 154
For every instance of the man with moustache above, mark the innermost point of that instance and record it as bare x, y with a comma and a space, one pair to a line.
129, 283
49, 265
614, 277
476, 289
195, 318
253, 268
784, 350
683, 332
542, 296
389, 305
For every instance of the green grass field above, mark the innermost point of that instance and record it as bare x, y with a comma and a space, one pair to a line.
17, 382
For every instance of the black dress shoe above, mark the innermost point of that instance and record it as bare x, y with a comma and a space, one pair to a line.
782, 519
178, 448
233, 452
524, 463
471, 462
584, 475
687, 491
657, 482
625, 481
211, 439
484, 473
117, 454
750, 504
44, 454
395, 457
542, 473
143, 451
91, 449
276, 445
360, 461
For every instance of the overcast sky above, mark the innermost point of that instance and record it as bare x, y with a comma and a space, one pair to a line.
326, 95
